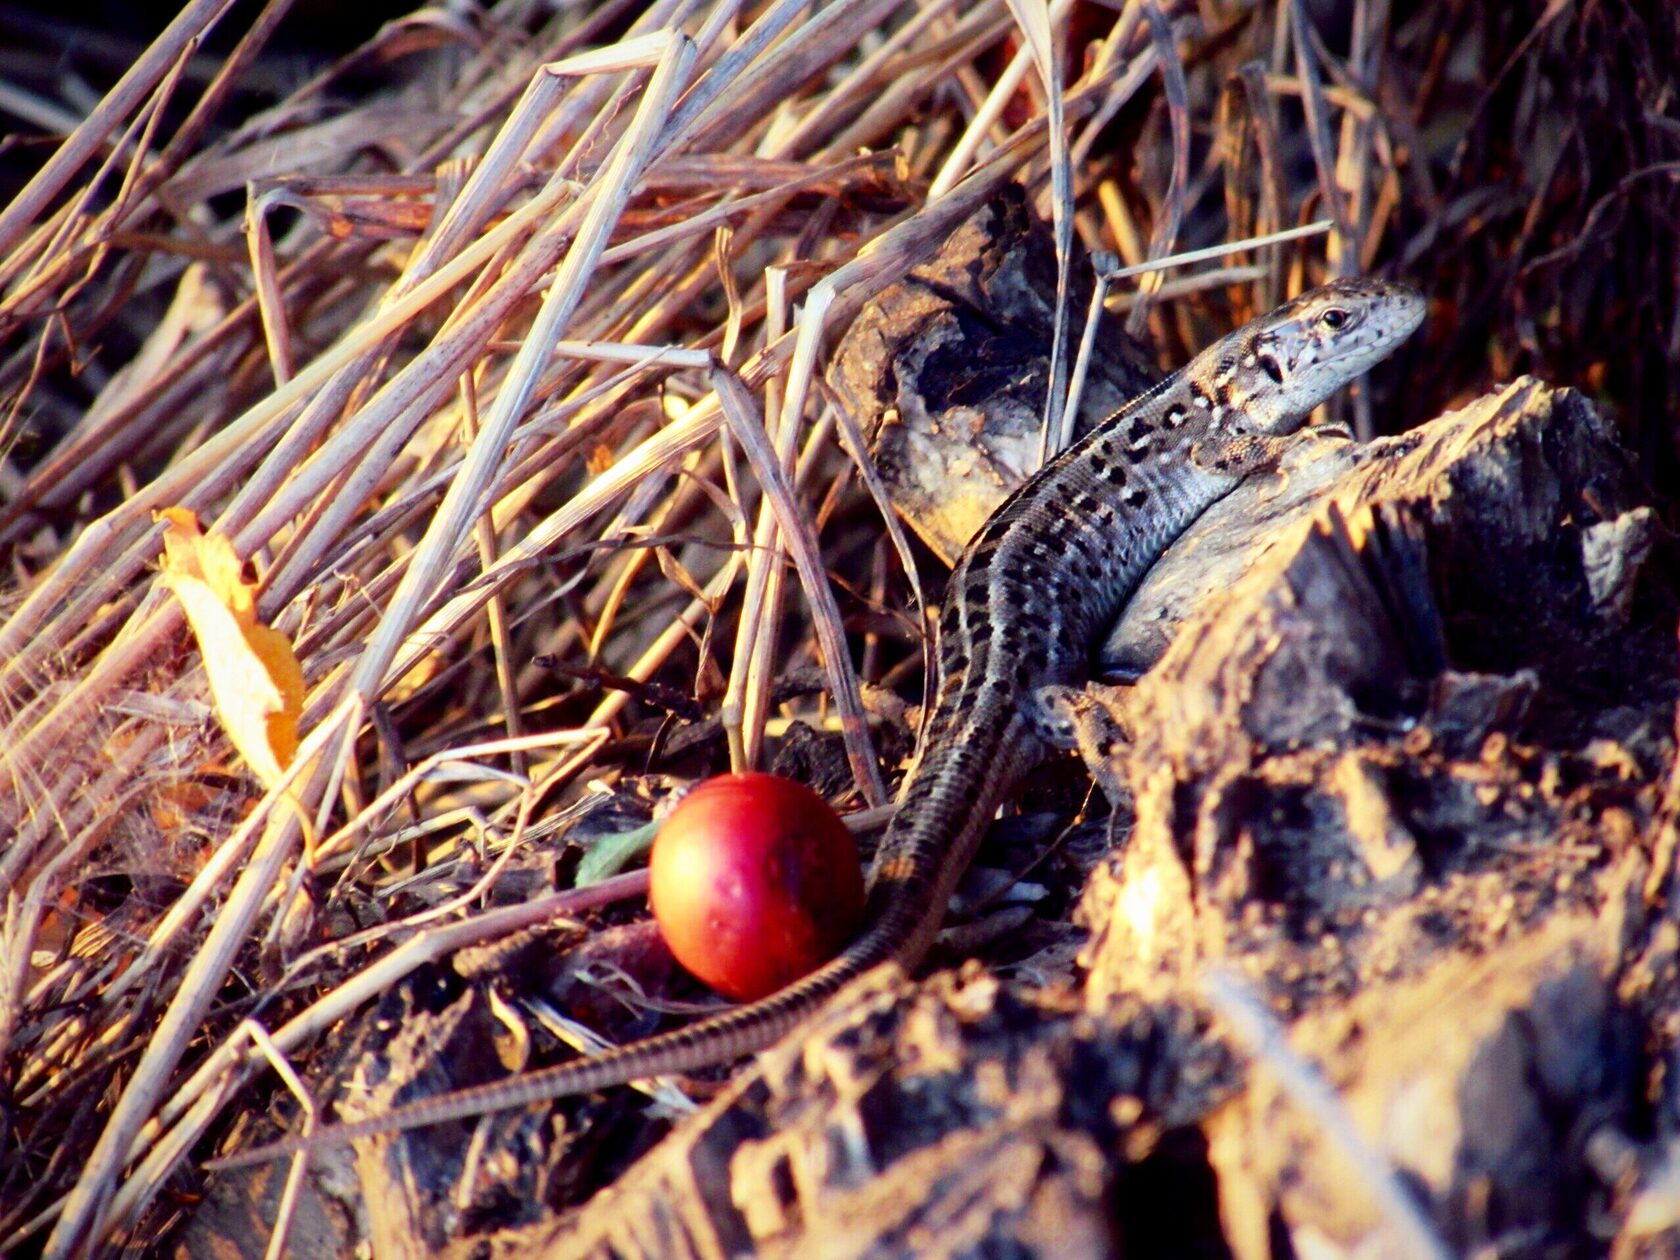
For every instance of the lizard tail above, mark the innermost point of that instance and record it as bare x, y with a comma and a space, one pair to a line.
737, 1032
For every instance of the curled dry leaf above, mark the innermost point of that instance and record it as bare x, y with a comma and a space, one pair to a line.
255, 679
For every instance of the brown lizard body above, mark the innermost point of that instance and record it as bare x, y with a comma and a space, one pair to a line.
1043, 578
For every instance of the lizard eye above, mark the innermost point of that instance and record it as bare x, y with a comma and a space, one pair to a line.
1334, 318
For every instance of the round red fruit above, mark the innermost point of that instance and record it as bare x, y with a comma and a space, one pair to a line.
754, 882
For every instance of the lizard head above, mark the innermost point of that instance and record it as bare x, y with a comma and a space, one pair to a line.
1290, 361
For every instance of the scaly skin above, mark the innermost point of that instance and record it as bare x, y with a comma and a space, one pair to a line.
1036, 587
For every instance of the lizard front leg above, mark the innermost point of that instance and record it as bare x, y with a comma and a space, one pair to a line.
1238, 455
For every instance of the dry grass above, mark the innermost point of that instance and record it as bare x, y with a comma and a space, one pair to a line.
453, 374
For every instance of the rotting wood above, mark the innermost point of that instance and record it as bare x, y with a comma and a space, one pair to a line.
947, 371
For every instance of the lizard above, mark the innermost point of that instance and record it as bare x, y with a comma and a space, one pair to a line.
1034, 589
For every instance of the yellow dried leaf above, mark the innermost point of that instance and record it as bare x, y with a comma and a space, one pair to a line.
255, 679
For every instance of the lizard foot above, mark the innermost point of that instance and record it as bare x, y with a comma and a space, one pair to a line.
1087, 719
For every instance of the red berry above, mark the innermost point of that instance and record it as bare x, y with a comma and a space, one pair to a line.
755, 882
